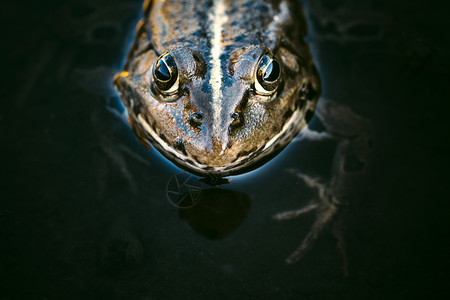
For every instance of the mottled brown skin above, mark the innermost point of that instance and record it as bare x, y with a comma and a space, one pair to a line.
183, 29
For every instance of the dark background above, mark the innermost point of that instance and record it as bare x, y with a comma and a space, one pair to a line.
84, 213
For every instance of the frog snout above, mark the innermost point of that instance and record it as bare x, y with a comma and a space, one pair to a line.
217, 156
212, 142
196, 119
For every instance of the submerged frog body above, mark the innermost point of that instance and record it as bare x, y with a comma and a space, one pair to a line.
219, 87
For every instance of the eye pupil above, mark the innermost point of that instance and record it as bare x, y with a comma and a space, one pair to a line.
267, 75
272, 71
162, 71
165, 75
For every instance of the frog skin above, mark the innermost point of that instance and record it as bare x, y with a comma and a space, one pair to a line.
219, 87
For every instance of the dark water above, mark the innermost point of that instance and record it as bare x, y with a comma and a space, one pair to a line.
84, 212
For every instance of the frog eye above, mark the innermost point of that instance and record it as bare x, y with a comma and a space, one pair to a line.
267, 74
165, 74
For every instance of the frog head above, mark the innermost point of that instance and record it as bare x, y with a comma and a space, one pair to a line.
213, 106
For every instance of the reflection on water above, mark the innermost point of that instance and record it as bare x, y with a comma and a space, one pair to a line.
218, 214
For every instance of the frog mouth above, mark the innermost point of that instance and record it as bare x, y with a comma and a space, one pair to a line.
244, 163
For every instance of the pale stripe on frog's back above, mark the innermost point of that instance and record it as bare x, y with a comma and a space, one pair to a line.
217, 19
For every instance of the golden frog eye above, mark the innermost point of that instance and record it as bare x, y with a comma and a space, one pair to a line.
267, 74
165, 74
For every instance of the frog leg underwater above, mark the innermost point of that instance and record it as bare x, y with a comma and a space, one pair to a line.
354, 136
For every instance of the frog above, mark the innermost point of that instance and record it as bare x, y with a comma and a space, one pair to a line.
219, 87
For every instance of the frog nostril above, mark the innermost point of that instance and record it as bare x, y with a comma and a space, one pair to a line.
198, 115
179, 145
236, 119
196, 119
